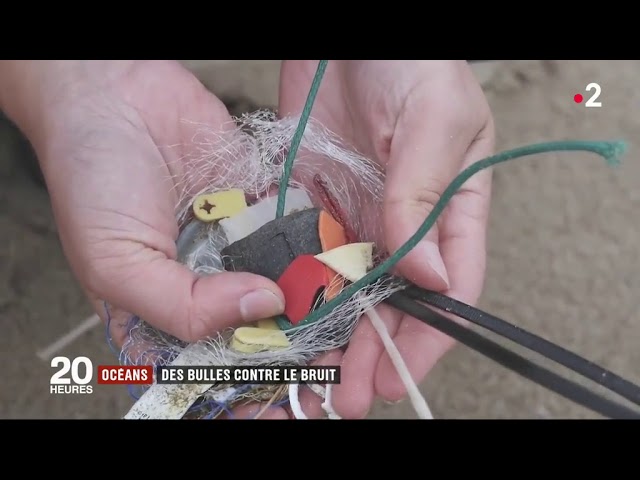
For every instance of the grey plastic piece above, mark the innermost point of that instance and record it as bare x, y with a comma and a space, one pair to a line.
270, 249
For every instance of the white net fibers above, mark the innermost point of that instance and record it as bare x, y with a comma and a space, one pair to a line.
250, 157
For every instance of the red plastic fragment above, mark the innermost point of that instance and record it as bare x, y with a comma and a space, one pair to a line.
301, 283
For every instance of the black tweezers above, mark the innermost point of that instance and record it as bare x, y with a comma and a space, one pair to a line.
414, 301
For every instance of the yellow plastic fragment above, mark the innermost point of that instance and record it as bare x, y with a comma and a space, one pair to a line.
253, 340
268, 324
214, 206
352, 260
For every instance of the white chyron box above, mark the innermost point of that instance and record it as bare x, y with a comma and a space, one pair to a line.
174, 374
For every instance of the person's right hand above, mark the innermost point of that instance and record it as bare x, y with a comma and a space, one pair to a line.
422, 122
98, 129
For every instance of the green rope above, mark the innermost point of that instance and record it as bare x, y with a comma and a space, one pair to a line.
610, 151
297, 137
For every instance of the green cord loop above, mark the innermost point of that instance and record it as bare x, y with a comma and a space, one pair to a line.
297, 137
610, 151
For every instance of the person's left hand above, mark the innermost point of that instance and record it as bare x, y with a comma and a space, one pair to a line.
423, 121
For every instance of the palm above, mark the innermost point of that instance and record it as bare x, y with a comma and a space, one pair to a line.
337, 106
417, 120
341, 107
119, 220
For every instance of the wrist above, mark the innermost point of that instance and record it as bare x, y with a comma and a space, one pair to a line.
35, 94
18, 91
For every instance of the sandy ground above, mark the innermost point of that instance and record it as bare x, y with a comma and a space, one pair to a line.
563, 251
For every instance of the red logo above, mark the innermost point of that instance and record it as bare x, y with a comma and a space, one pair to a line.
125, 375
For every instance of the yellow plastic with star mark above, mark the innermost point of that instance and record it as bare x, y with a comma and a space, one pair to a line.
215, 206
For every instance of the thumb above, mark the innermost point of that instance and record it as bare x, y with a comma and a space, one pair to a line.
172, 298
424, 158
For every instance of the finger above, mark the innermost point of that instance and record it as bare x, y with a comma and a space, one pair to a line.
464, 229
310, 401
128, 342
427, 150
420, 346
353, 397
118, 322
121, 335
175, 300
128, 339
462, 242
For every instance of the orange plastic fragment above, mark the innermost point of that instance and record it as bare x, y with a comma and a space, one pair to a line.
332, 235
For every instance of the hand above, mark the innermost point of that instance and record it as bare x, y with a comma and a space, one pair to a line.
99, 129
423, 121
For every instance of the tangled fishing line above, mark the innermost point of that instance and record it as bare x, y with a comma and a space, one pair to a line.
250, 157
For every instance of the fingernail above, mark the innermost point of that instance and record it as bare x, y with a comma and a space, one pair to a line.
259, 304
434, 259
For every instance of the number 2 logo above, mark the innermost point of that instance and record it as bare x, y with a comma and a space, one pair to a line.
67, 366
592, 101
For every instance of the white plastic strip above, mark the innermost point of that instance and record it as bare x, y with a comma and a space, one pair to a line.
252, 218
171, 402
68, 338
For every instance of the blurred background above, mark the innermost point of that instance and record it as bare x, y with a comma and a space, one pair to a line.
564, 255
